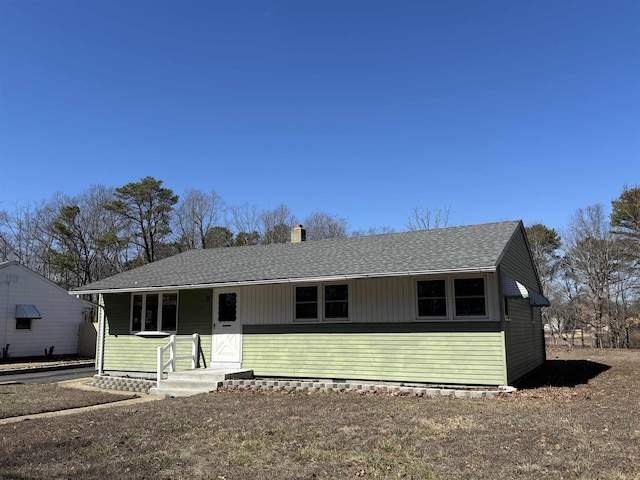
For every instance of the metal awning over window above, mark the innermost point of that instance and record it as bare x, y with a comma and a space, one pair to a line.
511, 288
27, 311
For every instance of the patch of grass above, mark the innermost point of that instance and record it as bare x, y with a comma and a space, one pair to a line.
556, 426
28, 399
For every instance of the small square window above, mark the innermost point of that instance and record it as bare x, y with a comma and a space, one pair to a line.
23, 324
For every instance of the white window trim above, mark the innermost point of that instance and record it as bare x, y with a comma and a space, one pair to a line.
144, 304
451, 300
321, 303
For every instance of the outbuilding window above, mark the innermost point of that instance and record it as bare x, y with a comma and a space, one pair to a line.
23, 324
24, 314
154, 312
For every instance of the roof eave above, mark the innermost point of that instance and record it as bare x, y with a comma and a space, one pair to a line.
325, 278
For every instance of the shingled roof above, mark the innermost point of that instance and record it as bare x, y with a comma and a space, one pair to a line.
473, 248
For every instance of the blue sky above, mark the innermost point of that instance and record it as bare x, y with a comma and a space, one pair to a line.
366, 109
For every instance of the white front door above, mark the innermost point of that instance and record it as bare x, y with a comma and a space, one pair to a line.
226, 348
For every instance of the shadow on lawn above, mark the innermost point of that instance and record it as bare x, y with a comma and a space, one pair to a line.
563, 373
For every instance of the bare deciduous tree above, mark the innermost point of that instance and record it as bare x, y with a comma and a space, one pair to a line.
595, 261
320, 225
24, 236
276, 224
428, 218
245, 221
85, 245
195, 215
372, 231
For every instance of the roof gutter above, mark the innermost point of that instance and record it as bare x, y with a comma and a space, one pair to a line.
326, 278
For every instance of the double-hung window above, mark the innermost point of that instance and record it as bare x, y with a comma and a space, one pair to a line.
470, 297
432, 298
336, 302
306, 303
154, 312
322, 303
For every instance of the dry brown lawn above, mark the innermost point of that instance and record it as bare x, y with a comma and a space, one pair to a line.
19, 400
578, 419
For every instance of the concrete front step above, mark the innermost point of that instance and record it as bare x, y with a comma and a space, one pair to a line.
200, 380
178, 390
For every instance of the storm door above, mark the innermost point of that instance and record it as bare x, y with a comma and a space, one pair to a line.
226, 348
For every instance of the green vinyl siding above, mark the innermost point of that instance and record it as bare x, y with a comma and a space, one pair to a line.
194, 312
524, 337
130, 353
517, 261
525, 340
426, 353
117, 308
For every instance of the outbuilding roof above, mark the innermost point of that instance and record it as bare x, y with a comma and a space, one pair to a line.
473, 248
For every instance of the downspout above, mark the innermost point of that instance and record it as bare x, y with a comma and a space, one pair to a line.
101, 335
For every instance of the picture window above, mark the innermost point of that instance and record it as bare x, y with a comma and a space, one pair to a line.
153, 312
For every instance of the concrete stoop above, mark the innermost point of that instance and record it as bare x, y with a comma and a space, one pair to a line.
200, 380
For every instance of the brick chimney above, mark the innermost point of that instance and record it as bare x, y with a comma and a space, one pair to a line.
298, 234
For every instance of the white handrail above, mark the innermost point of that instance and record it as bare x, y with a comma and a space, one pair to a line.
171, 346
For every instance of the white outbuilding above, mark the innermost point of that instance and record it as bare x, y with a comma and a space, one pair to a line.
36, 314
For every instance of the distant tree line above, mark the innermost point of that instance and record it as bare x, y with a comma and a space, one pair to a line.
103, 231
591, 274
